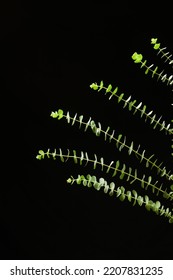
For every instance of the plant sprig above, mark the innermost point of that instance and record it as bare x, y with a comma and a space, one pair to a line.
131, 105
121, 193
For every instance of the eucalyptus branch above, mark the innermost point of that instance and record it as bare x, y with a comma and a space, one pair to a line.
130, 104
121, 193
161, 51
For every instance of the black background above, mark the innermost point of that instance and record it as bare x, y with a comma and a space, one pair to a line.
50, 54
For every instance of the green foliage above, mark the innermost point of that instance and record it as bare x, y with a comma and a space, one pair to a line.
131, 106
120, 142
57, 114
154, 42
137, 57
113, 168
122, 194
117, 169
152, 69
40, 155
